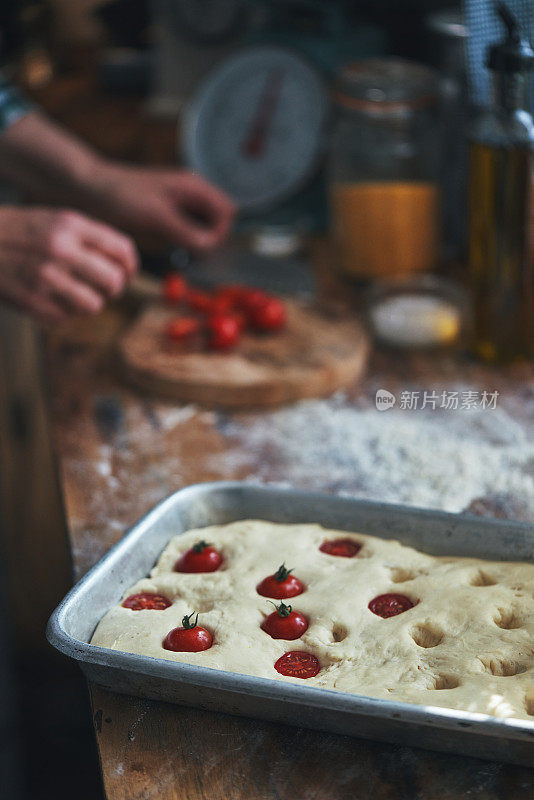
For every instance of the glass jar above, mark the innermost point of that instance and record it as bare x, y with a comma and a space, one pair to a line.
384, 169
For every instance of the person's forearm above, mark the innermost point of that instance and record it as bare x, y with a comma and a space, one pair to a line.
156, 205
44, 160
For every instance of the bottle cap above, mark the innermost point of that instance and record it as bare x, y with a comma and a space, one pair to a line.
381, 86
514, 53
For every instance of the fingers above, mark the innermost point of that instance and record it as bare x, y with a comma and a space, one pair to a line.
206, 214
101, 273
54, 263
77, 295
183, 228
196, 187
180, 229
103, 257
111, 243
108, 244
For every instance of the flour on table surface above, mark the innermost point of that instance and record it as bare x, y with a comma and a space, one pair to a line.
442, 459
455, 460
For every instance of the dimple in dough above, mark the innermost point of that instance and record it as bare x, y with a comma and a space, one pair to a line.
467, 644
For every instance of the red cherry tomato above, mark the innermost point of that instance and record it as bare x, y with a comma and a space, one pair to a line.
225, 332
146, 600
183, 329
189, 639
199, 300
346, 548
284, 623
269, 316
233, 293
220, 306
174, 288
240, 319
199, 558
281, 585
297, 664
389, 605
251, 300
222, 303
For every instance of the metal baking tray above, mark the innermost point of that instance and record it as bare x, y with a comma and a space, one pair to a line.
73, 622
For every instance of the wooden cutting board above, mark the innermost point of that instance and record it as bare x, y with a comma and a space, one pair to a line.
319, 352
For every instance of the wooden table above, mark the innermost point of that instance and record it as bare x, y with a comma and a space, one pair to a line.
118, 456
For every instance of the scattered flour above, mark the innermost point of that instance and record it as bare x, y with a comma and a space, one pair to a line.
441, 459
176, 416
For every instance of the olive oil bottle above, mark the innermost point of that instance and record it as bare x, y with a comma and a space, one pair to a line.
501, 175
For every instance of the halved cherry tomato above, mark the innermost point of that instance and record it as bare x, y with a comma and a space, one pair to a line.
199, 300
174, 288
389, 605
189, 639
202, 557
269, 315
346, 548
183, 329
284, 623
225, 332
297, 664
280, 585
146, 600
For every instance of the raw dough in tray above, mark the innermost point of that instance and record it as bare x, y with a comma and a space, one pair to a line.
468, 643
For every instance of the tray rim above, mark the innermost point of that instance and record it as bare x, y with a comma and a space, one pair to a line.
432, 716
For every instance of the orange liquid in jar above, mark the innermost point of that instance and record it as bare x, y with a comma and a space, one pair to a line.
386, 228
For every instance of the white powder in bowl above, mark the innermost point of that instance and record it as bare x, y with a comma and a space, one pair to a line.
411, 320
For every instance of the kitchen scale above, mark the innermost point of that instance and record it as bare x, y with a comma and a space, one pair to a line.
256, 127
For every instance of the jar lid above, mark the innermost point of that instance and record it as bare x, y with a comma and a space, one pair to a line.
386, 85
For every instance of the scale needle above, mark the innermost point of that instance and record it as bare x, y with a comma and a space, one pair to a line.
254, 144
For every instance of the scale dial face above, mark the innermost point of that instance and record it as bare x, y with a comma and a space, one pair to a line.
256, 127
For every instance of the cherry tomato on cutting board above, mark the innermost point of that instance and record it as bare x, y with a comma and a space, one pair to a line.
280, 585
146, 600
202, 557
252, 299
269, 315
346, 548
174, 289
297, 664
199, 300
222, 303
389, 605
183, 329
284, 623
191, 638
232, 293
224, 331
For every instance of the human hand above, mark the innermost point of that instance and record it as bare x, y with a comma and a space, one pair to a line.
176, 205
54, 263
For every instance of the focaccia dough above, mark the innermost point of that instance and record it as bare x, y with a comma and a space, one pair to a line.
467, 644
